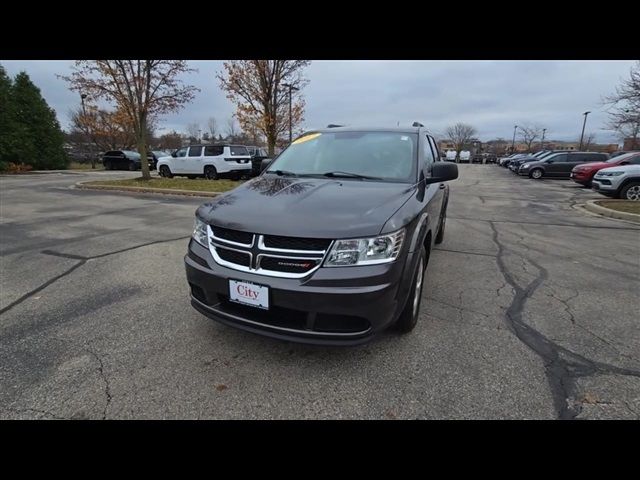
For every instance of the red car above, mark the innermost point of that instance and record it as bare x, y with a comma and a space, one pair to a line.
583, 173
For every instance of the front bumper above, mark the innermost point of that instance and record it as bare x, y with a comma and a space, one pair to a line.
599, 186
333, 306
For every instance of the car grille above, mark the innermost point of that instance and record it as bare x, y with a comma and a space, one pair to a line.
232, 235
233, 256
270, 255
603, 181
291, 243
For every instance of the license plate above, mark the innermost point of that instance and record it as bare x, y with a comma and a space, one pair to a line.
249, 293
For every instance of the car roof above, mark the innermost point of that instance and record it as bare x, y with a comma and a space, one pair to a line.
367, 129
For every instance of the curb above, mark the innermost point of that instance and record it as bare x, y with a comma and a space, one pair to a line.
147, 190
607, 212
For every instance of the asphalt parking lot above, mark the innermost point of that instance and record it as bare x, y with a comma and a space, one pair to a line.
530, 311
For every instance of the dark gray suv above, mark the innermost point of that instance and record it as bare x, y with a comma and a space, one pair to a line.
330, 243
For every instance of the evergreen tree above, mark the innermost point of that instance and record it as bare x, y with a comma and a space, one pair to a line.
7, 121
41, 139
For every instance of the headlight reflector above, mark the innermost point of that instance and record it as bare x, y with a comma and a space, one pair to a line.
365, 251
200, 232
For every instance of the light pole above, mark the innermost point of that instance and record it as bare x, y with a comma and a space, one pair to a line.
513, 142
542, 141
291, 88
583, 125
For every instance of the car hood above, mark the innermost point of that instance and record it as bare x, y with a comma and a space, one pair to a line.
592, 166
307, 207
621, 168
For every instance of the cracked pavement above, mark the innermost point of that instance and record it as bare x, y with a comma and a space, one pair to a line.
530, 311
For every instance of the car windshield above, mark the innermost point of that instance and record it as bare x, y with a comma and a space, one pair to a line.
387, 156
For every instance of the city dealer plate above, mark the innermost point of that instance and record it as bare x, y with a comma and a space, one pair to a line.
248, 293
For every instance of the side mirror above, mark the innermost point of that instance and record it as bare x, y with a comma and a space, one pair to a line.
549, 161
624, 163
442, 172
174, 155
265, 164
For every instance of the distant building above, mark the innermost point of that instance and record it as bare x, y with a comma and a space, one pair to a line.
631, 144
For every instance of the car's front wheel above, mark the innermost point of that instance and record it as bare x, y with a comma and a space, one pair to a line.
132, 166
631, 191
536, 173
409, 316
165, 172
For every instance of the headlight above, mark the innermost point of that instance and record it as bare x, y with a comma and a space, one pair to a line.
365, 251
526, 165
200, 232
611, 174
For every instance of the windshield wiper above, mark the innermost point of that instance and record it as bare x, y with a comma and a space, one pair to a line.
349, 175
283, 173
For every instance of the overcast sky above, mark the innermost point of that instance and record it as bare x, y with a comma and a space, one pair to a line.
493, 96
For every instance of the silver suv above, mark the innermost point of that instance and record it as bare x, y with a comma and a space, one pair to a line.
620, 182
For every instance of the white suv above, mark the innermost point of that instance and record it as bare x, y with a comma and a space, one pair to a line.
210, 161
621, 182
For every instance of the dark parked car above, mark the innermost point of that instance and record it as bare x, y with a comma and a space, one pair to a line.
258, 154
330, 243
559, 165
153, 157
121, 160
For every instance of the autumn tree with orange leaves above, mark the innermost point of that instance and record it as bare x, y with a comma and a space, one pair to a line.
142, 90
262, 101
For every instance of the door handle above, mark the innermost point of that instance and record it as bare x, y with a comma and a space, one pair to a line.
442, 185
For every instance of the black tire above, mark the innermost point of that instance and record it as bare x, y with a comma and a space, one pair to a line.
132, 167
210, 172
443, 221
165, 172
631, 191
536, 173
409, 316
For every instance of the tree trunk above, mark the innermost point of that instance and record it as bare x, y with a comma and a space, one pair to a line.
271, 144
142, 149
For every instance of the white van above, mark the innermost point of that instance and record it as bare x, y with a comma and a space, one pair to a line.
465, 156
209, 161
451, 155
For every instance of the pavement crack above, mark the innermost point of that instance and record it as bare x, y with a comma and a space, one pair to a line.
41, 287
107, 386
465, 253
562, 366
64, 255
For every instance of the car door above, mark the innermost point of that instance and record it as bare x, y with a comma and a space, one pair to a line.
555, 165
434, 193
193, 161
178, 162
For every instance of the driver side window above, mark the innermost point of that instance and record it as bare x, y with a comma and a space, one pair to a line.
181, 153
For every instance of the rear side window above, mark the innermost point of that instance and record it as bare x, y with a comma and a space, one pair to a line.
239, 150
560, 158
195, 151
213, 150
113, 153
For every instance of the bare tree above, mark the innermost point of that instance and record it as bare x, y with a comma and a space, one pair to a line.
193, 130
460, 135
529, 134
141, 89
589, 138
232, 131
212, 127
260, 90
624, 107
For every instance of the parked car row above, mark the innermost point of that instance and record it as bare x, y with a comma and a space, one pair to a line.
612, 175
209, 161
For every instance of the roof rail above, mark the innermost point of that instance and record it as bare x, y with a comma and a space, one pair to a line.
417, 124
333, 125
